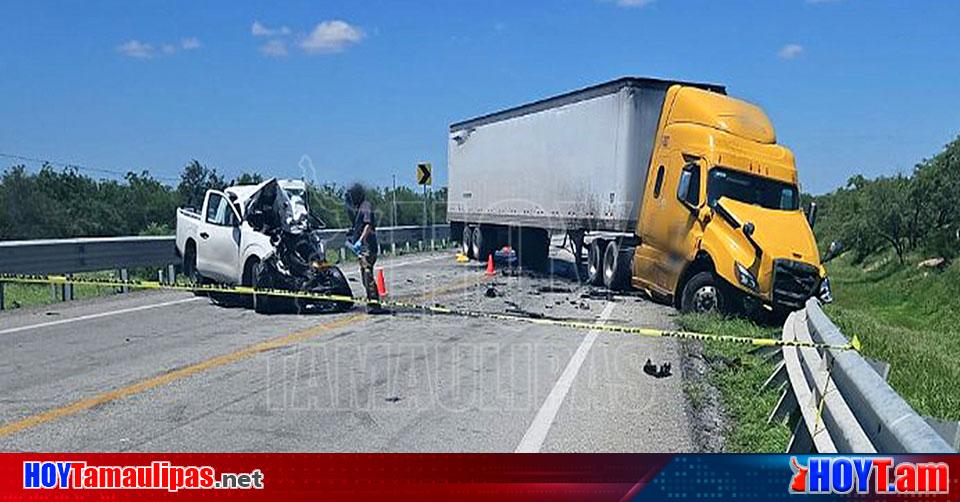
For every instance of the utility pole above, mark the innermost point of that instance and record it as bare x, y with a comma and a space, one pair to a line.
394, 200
393, 234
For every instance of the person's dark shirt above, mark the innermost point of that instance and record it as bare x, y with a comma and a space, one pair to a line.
365, 217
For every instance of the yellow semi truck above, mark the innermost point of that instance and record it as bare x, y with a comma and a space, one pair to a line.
672, 187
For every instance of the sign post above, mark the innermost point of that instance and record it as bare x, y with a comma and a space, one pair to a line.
424, 179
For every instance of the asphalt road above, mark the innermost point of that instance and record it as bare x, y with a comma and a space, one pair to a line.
161, 371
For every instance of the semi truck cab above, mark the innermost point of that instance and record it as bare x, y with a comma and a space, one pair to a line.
721, 225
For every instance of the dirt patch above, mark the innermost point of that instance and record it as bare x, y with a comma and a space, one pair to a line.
704, 402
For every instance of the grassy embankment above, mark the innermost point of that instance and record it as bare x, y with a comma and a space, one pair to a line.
33, 295
904, 315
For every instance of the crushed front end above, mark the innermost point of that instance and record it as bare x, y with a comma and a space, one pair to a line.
298, 262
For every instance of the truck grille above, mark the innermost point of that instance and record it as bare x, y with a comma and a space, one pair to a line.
793, 283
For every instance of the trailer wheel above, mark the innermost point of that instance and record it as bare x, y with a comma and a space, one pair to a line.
595, 262
477, 244
616, 267
703, 294
466, 241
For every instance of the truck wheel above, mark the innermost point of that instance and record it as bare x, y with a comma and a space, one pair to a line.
703, 294
262, 304
476, 244
616, 268
595, 262
190, 268
466, 241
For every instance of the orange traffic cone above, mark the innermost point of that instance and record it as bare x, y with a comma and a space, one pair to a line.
490, 270
381, 284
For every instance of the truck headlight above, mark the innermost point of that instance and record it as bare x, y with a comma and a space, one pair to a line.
745, 278
826, 295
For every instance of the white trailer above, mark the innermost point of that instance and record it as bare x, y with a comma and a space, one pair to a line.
573, 163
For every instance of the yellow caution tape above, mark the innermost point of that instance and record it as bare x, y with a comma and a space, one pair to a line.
434, 309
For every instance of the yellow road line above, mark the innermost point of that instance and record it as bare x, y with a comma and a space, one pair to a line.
157, 381
160, 380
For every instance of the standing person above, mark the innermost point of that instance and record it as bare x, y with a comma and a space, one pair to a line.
364, 243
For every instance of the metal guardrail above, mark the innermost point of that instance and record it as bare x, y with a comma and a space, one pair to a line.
838, 402
66, 256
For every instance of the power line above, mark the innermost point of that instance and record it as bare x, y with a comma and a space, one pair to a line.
78, 167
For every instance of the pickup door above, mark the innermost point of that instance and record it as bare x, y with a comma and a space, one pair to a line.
218, 239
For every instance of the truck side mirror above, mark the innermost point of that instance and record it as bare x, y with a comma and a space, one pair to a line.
688, 187
812, 214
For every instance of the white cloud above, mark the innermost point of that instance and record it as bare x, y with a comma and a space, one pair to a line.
634, 3
189, 43
790, 51
136, 49
274, 49
142, 50
261, 30
331, 36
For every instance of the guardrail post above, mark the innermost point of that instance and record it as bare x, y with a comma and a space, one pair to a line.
393, 248
171, 274
67, 289
124, 276
1, 295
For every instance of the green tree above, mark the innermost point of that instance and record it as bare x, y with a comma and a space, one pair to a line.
195, 180
247, 179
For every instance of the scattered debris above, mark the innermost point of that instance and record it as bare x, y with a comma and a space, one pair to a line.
462, 258
583, 306
526, 313
393, 399
553, 289
506, 255
652, 370
598, 294
491, 292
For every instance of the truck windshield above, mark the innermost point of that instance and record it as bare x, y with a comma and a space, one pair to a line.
751, 189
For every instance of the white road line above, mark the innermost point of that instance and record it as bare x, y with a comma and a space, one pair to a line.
537, 432
390, 264
98, 315
174, 302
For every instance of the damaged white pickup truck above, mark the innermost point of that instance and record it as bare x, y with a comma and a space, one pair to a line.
262, 236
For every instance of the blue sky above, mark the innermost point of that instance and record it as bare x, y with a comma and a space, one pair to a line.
367, 88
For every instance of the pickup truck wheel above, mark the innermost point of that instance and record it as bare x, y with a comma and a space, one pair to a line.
595, 262
467, 241
190, 269
703, 294
616, 267
262, 304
